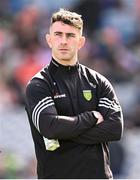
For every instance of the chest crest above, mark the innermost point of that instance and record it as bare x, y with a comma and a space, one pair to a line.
87, 94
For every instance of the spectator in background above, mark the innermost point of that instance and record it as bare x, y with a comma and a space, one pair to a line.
90, 11
120, 18
26, 26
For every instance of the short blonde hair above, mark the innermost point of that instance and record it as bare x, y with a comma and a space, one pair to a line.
68, 17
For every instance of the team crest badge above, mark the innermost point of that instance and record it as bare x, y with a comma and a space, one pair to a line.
87, 94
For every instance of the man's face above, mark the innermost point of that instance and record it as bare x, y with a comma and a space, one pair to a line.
65, 41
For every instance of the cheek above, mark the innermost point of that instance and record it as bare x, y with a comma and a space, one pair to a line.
54, 43
75, 45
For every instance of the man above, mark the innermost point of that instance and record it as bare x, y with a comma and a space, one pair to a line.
73, 111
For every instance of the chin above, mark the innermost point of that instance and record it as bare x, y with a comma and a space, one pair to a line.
64, 58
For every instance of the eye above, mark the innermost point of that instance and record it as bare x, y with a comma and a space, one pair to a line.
70, 35
57, 33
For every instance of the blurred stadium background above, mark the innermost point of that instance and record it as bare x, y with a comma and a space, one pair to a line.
112, 28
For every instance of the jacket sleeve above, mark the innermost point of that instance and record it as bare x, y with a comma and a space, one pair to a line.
112, 127
43, 114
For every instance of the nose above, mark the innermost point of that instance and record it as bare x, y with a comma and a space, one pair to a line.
64, 39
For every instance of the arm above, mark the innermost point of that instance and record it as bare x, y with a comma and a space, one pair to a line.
110, 129
44, 115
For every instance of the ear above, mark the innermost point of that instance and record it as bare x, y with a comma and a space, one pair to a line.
48, 39
81, 42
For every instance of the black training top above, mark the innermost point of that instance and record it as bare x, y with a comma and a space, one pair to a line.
60, 101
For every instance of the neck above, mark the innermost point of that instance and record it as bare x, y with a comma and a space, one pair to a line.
66, 62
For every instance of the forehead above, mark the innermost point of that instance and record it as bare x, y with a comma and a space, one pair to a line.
62, 27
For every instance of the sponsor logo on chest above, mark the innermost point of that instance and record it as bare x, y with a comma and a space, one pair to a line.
58, 96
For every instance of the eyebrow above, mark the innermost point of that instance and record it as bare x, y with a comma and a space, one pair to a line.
59, 32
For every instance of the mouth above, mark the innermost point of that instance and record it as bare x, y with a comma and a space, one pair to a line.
63, 49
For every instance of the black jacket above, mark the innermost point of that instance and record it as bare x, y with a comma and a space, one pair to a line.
60, 101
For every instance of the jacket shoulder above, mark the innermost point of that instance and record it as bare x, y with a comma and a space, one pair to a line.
91, 73
40, 79
96, 77
41, 76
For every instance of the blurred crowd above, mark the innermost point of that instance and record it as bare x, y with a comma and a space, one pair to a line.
112, 30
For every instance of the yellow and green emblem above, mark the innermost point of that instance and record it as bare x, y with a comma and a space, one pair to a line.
87, 94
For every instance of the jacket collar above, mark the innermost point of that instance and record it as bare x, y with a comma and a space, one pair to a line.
55, 65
